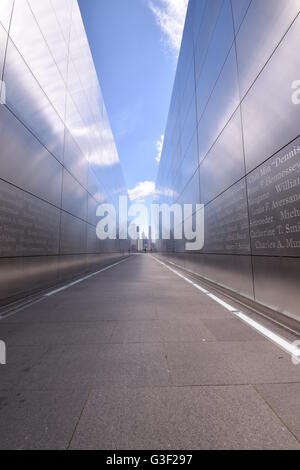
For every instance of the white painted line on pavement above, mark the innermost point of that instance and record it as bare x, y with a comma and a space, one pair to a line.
281, 342
56, 291
221, 302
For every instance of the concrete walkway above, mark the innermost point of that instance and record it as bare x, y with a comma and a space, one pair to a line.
136, 358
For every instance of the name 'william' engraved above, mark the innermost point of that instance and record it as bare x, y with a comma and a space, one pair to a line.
287, 185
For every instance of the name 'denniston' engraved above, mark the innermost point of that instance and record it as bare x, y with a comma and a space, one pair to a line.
291, 154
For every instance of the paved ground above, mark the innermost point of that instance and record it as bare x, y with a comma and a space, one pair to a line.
136, 358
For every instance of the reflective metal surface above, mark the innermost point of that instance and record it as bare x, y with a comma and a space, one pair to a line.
265, 25
229, 148
26, 163
247, 149
58, 159
3, 40
5, 12
239, 10
270, 118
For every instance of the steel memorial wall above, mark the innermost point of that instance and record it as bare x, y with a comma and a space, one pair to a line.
232, 143
58, 159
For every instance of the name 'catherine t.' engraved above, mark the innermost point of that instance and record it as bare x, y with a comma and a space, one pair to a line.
274, 204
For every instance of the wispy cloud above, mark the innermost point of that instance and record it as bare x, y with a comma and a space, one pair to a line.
159, 147
126, 119
141, 190
170, 16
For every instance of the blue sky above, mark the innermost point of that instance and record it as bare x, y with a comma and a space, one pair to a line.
135, 45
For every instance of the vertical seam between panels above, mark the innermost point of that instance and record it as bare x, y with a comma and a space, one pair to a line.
7, 39
243, 148
195, 94
64, 143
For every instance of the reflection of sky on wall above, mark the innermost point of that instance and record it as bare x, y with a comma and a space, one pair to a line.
48, 90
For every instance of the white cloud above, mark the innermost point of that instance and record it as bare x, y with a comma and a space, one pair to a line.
141, 190
159, 147
170, 16
125, 120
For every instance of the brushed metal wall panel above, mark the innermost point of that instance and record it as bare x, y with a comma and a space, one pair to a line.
224, 163
71, 266
28, 101
73, 235
96, 261
3, 41
53, 129
265, 25
227, 223
231, 271
185, 61
222, 104
191, 193
63, 12
204, 28
92, 208
74, 197
239, 10
47, 20
29, 39
274, 203
20, 277
5, 12
189, 126
189, 163
218, 50
93, 243
28, 226
270, 119
276, 283
250, 185
25, 162
96, 188
187, 76
75, 160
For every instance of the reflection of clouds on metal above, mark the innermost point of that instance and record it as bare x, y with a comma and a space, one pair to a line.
58, 157
232, 143
2, 353
47, 90
296, 93
296, 355
2, 92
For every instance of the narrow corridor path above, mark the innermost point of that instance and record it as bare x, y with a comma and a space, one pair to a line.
136, 358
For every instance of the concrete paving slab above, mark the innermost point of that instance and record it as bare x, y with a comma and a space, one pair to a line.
229, 363
284, 399
63, 368
20, 361
134, 336
39, 420
132, 364
231, 329
59, 333
180, 418
160, 331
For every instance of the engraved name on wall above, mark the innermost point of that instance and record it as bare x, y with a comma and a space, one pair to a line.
28, 226
274, 204
226, 222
